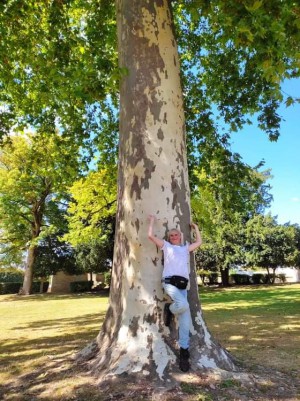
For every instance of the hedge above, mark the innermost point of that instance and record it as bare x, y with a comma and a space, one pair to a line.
10, 288
241, 279
7, 276
81, 286
13, 288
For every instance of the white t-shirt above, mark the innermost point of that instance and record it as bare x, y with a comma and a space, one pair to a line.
176, 260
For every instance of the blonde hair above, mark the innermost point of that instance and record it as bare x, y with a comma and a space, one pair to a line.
174, 230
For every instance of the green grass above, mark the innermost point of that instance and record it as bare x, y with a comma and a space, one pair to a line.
43, 327
259, 325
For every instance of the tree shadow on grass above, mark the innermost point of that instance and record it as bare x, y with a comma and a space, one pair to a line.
55, 377
17, 351
62, 380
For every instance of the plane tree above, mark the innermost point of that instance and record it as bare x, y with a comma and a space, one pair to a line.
35, 172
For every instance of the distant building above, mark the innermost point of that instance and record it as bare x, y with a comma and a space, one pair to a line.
60, 282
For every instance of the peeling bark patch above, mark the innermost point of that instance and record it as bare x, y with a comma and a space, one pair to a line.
135, 187
155, 261
160, 134
149, 169
137, 225
207, 362
150, 318
155, 107
134, 325
180, 196
180, 159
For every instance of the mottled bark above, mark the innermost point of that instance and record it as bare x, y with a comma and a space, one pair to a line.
153, 179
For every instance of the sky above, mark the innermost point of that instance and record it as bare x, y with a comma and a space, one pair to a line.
282, 157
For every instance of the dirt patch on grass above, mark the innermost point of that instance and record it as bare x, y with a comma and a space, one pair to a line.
61, 380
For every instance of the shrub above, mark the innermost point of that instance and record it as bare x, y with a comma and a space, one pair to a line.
213, 278
258, 278
241, 279
81, 286
14, 287
107, 278
10, 287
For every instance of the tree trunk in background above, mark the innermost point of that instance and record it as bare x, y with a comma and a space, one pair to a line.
153, 179
28, 274
37, 217
225, 277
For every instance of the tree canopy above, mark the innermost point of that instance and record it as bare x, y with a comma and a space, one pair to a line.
35, 172
59, 65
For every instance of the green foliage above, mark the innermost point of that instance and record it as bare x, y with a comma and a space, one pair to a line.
269, 244
234, 57
59, 70
92, 208
13, 287
59, 63
228, 191
11, 275
107, 278
34, 173
97, 255
54, 255
58, 58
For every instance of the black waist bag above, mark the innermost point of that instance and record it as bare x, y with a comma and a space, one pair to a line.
179, 282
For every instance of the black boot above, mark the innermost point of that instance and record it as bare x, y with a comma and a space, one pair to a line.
167, 315
184, 363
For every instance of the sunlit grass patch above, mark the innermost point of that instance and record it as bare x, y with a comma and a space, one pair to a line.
259, 325
38, 328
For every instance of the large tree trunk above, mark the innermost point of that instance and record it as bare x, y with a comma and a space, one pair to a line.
153, 179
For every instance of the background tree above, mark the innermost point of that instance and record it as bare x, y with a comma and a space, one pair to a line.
91, 219
53, 255
297, 244
269, 244
225, 196
35, 171
92, 207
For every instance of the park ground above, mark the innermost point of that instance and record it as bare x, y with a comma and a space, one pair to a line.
260, 326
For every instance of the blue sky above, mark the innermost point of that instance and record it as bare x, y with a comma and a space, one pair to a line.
282, 157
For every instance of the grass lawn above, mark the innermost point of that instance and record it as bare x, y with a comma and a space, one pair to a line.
37, 328
259, 325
